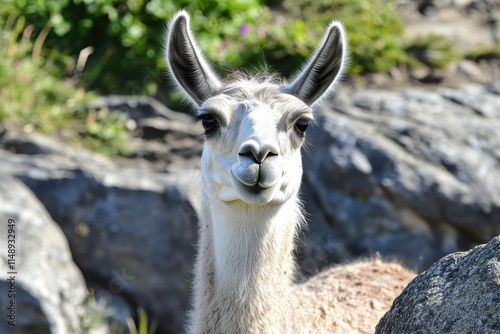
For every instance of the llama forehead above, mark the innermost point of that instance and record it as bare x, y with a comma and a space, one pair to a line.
240, 99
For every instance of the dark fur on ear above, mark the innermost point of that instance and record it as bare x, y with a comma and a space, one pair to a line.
318, 76
186, 63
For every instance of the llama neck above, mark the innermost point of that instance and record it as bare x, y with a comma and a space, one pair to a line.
245, 268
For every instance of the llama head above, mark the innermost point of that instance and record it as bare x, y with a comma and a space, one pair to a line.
256, 126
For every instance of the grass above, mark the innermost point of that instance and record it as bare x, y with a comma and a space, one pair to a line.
484, 53
35, 98
97, 316
433, 51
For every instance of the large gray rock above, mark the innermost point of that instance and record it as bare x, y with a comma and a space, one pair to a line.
459, 294
411, 174
42, 289
159, 134
131, 229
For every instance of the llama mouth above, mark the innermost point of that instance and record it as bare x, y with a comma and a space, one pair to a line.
256, 189
256, 177
253, 189
255, 194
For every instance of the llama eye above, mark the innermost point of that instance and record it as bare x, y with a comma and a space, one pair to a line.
301, 125
209, 122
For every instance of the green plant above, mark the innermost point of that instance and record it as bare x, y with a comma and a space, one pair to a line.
127, 35
144, 327
484, 53
102, 130
373, 27
96, 316
433, 51
35, 98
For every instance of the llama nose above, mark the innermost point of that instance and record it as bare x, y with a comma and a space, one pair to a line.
258, 152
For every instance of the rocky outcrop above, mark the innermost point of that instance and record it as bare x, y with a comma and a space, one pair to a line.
42, 290
131, 230
412, 174
130, 222
458, 294
160, 136
470, 22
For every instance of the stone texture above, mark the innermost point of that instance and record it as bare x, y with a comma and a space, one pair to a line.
412, 174
130, 230
469, 22
161, 136
46, 286
459, 294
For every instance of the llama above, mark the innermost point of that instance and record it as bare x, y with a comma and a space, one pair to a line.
250, 210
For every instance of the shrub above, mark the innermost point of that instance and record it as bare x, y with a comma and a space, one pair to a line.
373, 27
127, 35
433, 51
33, 98
484, 53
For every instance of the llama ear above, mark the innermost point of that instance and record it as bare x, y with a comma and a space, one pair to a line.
325, 66
187, 65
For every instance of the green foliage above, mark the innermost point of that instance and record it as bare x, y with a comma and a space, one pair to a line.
103, 131
125, 38
434, 51
97, 318
374, 30
144, 327
35, 98
127, 35
484, 53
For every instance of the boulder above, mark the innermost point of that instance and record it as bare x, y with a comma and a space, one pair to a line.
131, 229
412, 174
42, 289
159, 135
459, 294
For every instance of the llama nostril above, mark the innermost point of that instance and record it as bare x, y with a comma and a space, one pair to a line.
257, 153
250, 150
252, 155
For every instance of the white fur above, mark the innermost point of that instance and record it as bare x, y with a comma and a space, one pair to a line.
250, 209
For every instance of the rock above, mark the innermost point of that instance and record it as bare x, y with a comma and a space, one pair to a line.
27, 143
459, 294
131, 230
135, 107
493, 88
411, 174
468, 22
160, 135
39, 277
469, 69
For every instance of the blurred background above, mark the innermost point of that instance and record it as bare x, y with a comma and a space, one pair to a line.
99, 156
